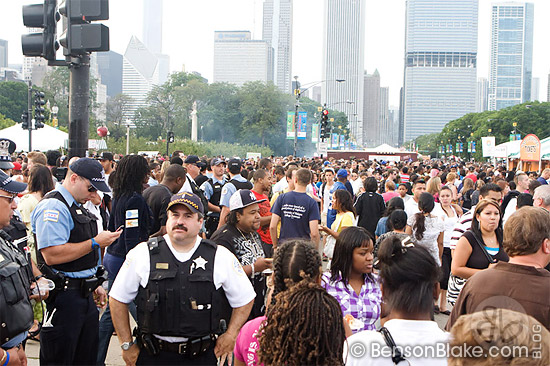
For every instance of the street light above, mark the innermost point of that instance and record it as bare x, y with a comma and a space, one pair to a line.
129, 124
298, 94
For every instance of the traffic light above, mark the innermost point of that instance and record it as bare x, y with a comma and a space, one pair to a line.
324, 124
43, 44
39, 110
25, 120
80, 36
171, 137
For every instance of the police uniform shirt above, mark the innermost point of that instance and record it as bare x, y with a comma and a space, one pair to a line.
229, 189
207, 187
52, 222
228, 273
187, 185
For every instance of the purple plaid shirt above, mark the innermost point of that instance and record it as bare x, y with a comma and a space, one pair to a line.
365, 306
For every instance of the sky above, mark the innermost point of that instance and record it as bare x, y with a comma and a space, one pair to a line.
189, 25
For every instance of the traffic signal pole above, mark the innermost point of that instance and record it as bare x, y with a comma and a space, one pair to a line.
29, 116
79, 98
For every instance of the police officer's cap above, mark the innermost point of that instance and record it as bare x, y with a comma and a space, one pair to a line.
93, 171
7, 147
9, 185
189, 200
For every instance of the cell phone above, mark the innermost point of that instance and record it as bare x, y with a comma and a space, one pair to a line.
120, 228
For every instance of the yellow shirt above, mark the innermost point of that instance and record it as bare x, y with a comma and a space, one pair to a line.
343, 220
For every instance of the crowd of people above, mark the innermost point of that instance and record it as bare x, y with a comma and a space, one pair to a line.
279, 260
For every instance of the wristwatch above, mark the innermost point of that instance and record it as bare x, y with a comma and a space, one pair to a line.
126, 345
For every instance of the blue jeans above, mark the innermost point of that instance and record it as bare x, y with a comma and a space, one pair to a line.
106, 328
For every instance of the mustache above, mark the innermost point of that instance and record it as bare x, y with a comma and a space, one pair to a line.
180, 227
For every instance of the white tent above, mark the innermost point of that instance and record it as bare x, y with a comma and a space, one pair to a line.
43, 139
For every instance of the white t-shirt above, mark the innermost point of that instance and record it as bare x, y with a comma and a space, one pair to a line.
327, 197
228, 273
405, 333
449, 223
411, 207
280, 185
510, 209
434, 226
356, 185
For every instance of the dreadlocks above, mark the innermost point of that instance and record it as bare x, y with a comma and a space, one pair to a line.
304, 327
129, 175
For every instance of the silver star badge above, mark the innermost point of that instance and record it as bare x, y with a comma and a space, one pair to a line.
200, 262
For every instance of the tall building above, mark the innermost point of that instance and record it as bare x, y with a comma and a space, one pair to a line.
384, 129
277, 32
109, 65
238, 59
440, 64
140, 72
315, 93
343, 59
371, 109
3, 53
152, 35
393, 116
482, 95
535, 89
511, 54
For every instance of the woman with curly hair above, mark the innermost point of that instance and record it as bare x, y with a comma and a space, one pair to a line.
294, 261
304, 327
131, 212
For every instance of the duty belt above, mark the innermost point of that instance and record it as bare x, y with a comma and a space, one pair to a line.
191, 348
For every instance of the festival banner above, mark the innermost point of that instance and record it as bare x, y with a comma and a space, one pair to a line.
302, 125
473, 146
315, 133
488, 146
290, 126
334, 143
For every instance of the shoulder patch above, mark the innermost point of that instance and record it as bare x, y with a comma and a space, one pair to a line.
132, 214
224, 190
51, 215
238, 268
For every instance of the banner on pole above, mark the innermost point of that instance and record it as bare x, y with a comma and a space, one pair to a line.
315, 133
302, 125
290, 125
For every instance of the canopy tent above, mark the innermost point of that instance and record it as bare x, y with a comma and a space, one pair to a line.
43, 139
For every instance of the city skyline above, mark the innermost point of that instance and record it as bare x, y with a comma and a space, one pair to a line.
384, 41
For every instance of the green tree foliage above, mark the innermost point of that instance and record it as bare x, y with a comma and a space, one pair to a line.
13, 99
5, 122
531, 117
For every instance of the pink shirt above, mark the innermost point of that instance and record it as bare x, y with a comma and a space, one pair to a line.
389, 195
247, 343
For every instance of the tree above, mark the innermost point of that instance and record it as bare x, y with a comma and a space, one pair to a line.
5, 122
13, 99
115, 114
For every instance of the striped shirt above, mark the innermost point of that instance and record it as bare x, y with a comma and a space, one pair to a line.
463, 224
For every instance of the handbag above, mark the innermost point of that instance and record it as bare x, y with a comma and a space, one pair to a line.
330, 242
457, 283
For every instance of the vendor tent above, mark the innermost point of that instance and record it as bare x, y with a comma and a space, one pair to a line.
43, 139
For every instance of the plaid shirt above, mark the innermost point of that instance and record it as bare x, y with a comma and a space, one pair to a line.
365, 306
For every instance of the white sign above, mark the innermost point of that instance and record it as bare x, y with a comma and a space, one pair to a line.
323, 148
385, 157
150, 154
500, 152
488, 146
253, 155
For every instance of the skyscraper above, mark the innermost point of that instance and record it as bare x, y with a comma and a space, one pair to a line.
535, 86
371, 109
239, 59
511, 54
384, 129
140, 72
344, 54
277, 32
152, 35
3, 53
440, 64
482, 95
109, 66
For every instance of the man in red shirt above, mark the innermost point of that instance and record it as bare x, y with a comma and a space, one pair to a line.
472, 174
262, 185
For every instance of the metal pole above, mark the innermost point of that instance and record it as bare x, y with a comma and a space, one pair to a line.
296, 126
127, 139
167, 143
79, 97
29, 117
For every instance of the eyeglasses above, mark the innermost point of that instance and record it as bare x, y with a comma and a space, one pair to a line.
91, 188
10, 198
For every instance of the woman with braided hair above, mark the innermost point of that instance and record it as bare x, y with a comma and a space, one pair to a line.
294, 261
304, 327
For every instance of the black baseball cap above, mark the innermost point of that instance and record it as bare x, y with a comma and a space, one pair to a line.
106, 155
93, 171
194, 159
9, 185
217, 161
189, 200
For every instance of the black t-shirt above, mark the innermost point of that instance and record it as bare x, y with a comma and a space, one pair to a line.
247, 247
158, 197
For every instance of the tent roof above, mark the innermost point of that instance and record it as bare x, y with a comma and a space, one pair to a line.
43, 139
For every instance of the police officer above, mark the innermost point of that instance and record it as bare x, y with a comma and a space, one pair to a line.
212, 189
69, 251
237, 181
16, 315
181, 284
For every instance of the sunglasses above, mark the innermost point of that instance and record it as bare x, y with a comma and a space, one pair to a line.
91, 188
9, 198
